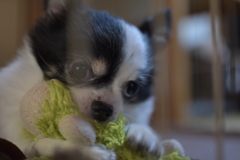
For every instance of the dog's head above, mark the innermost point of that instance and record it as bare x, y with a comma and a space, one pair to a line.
105, 61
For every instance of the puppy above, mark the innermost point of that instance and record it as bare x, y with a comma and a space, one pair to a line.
106, 63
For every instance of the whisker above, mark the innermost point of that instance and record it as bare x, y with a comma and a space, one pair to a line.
129, 118
139, 83
148, 75
52, 68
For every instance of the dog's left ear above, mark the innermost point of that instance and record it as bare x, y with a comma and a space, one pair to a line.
59, 7
158, 29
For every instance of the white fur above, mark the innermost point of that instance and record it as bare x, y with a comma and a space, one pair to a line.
172, 145
135, 55
15, 81
135, 59
144, 136
134, 112
48, 146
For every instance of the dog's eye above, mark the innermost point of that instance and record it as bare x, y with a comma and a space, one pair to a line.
131, 89
80, 71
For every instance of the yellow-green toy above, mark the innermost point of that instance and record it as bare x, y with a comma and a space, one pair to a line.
53, 111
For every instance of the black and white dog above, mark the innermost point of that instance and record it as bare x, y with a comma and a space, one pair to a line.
105, 62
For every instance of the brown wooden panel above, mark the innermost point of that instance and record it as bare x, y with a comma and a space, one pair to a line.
36, 11
179, 69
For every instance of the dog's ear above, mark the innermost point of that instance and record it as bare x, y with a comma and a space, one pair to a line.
55, 7
158, 29
59, 7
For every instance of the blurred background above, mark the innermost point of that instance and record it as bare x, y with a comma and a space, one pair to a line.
197, 82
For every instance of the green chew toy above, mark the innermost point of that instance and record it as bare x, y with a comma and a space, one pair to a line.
111, 135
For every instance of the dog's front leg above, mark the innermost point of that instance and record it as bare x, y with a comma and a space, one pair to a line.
49, 146
143, 138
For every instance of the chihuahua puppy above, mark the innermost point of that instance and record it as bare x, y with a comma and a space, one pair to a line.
106, 63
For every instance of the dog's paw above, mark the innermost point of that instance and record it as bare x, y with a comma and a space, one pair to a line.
172, 145
144, 139
100, 152
97, 152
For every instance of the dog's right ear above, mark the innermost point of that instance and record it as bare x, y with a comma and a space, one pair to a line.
56, 7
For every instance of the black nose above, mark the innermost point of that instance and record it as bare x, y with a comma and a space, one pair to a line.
101, 111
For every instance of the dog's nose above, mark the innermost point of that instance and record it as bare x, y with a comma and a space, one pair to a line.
101, 111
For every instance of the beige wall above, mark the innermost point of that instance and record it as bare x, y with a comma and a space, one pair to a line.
13, 21
133, 11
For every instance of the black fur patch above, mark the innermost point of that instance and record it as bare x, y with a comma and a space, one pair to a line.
105, 35
108, 45
48, 41
58, 41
